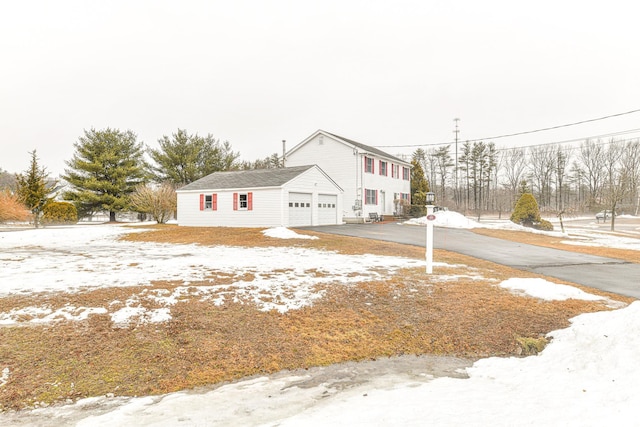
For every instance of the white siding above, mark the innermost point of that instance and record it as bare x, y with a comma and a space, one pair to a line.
337, 160
270, 207
315, 182
345, 165
266, 210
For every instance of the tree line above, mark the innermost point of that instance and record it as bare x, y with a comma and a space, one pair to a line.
111, 171
564, 179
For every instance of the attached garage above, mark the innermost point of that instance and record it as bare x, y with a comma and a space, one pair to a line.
288, 197
300, 210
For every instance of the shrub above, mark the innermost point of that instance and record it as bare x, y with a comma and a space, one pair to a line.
59, 213
526, 211
543, 225
531, 346
11, 209
158, 201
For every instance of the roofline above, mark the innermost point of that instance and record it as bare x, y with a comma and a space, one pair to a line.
349, 144
308, 168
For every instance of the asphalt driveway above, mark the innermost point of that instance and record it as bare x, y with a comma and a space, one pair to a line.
608, 274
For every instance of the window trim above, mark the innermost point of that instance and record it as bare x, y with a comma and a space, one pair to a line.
370, 196
368, 169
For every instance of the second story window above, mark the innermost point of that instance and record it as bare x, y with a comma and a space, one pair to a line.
368, 165
383, 168
405, 173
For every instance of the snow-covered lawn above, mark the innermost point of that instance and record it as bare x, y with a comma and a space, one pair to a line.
587, 375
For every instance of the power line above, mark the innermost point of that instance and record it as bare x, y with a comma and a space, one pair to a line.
566, 141
517, 133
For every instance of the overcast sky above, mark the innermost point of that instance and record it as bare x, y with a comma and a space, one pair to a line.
393, 72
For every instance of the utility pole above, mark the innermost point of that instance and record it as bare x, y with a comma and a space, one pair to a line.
456, 190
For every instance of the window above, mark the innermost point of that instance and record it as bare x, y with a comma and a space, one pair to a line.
208, 202
383, 168
405, 173
242, 201
371, 197
404, 196
368, 165
395, 171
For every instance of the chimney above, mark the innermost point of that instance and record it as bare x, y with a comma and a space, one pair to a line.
284, 151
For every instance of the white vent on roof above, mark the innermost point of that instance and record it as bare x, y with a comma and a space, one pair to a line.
321, 140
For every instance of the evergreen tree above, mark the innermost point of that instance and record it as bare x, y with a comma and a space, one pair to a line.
32, 188
185, 158
419, 189
526, 211
104, 171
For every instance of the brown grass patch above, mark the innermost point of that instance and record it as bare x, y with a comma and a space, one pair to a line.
406, 313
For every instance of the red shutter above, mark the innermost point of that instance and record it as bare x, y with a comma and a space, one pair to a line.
376, 197
380, 165
235, 201
202, 202
373, 166
214, 201
250, 201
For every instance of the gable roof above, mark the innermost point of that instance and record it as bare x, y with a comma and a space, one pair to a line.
253, 178
367, 148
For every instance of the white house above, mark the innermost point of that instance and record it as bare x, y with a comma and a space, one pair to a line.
373, 181
291, 196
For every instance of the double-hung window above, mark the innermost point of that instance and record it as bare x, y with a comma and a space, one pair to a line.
405, 173
383, 168
242, 201
395, 171
371, 197
209, 202
369, 165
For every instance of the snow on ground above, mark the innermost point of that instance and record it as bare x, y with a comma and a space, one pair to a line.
82, 257
576, 236
285, 233
586, 376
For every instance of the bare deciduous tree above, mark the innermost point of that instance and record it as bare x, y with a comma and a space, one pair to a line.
159, 201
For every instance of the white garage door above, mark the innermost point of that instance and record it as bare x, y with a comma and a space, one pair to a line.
327, 210
299, 209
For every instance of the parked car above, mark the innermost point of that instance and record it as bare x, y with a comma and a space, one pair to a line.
603, 215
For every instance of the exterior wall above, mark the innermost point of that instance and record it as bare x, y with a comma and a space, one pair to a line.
270, 207
266, 209
337, 160
315, 182
386, 187
345, 165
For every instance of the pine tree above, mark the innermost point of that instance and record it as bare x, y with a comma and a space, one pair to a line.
105, 169
185, 158
526, 211
419, 189
33, 190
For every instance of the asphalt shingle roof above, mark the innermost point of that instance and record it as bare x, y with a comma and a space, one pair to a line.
254, 178
367, 148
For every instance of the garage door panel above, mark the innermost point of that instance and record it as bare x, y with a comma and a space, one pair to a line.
300, 209
327, 209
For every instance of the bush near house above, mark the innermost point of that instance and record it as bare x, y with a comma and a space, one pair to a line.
59, 213
527, 214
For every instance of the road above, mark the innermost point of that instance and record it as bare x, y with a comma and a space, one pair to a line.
608, 274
